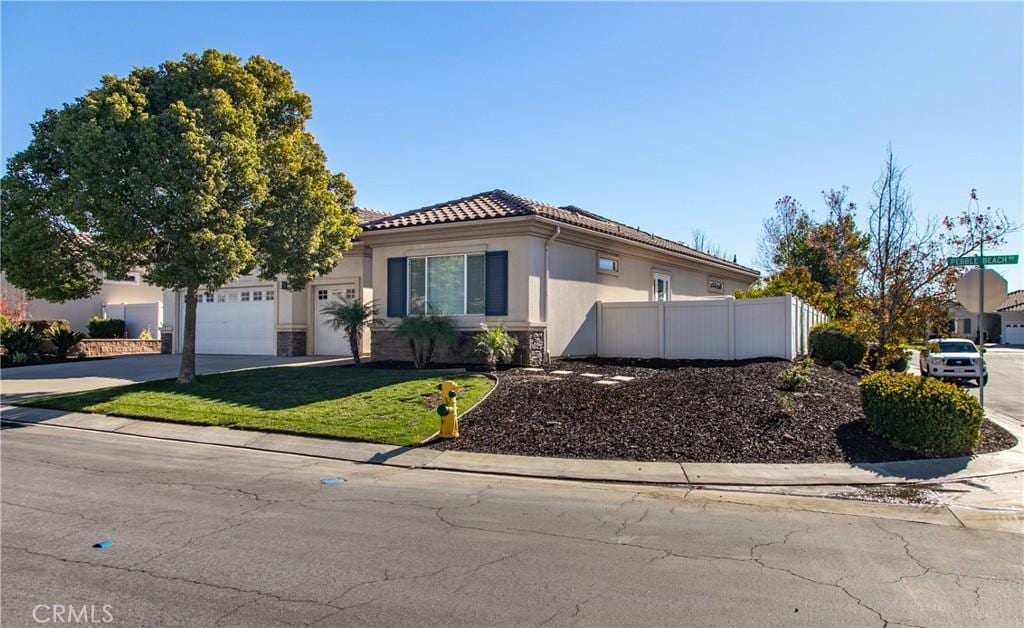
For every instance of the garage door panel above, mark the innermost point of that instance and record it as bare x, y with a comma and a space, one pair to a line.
328, 341
235, 328
1013, 333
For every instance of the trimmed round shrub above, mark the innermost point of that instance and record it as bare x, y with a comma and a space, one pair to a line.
106, 327
43, 325
923, 415
829, 342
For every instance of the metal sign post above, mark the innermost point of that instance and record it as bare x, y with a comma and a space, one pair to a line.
981, 324
999, 290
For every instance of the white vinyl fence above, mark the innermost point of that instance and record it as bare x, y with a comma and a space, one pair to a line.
137, 316
715, 328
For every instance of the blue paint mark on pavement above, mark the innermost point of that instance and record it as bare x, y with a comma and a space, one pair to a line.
332, 481
103, 544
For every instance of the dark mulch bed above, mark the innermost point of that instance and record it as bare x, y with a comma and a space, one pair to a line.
682, 412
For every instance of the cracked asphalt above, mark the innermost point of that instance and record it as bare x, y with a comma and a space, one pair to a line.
207, 535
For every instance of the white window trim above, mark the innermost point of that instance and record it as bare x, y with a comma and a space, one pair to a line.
614, 259
426, 281
655, 276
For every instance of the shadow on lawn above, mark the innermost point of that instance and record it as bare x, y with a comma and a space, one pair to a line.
265, 389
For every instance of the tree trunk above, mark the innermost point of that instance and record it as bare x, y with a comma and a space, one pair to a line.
187, 371
354, 339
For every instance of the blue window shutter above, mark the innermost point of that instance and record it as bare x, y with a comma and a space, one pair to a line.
396, 286
497, 283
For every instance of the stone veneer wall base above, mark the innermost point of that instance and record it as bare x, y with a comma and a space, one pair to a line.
386, 345
291, 343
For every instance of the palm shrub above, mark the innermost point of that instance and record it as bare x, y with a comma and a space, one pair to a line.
425, 333
63, 339
353, 317
495, 345
924, 415
22, 338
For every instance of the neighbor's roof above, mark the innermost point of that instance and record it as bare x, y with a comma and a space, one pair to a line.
1014, 302
366, 214
501, 204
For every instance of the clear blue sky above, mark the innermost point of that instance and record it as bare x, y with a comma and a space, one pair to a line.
666, 116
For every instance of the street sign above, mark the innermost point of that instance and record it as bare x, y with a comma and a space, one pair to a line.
969, 289
982, 260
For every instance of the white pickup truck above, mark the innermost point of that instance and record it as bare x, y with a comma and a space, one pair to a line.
952, 358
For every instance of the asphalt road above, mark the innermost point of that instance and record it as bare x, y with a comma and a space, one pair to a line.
205, 535
1005, 390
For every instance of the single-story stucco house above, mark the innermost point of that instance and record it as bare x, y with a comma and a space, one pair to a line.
492, 258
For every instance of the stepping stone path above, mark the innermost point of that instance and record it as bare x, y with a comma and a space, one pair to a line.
604, 380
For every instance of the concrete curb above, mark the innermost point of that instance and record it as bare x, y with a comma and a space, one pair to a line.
723, 474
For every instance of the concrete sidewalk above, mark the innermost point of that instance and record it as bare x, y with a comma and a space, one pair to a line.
911, 471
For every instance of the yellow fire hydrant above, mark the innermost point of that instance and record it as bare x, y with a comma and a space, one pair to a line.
448, 409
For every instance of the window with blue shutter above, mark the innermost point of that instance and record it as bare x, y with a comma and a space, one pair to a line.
396, 286
497, 283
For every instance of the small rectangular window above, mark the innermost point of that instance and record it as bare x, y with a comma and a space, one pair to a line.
209, 297
221, 297
350, 294
607, 264
321, 294
257, 296
245, 295
270, 295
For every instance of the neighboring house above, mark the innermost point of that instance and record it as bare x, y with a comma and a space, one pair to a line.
493, 258
1012, 314
111, 300
966, 323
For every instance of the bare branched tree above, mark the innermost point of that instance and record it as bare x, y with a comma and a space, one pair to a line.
702, 244
906, 271
775, 230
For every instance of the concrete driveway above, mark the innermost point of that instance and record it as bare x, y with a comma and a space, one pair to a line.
44, 379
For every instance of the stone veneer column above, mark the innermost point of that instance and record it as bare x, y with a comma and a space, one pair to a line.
166, 342
291, 343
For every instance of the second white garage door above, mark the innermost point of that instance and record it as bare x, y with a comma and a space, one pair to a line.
236, 321
326, 341
1013, 333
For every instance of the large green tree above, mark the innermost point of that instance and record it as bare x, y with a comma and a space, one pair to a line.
196, 171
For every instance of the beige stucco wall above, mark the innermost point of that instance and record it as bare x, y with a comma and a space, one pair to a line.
525, 259
576, 285
79, 311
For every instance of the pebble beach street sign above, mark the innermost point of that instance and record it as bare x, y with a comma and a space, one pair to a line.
982, 260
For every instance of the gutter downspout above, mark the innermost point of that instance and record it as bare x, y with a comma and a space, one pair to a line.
547, 272
544, 309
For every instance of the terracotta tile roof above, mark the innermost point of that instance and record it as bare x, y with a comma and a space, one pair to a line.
366, 214
501, 204
1014, 302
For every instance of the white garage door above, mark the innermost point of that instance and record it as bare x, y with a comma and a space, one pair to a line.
1013, 333
326, 341
236, 321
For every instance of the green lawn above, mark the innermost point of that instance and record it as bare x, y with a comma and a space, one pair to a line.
378, 405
